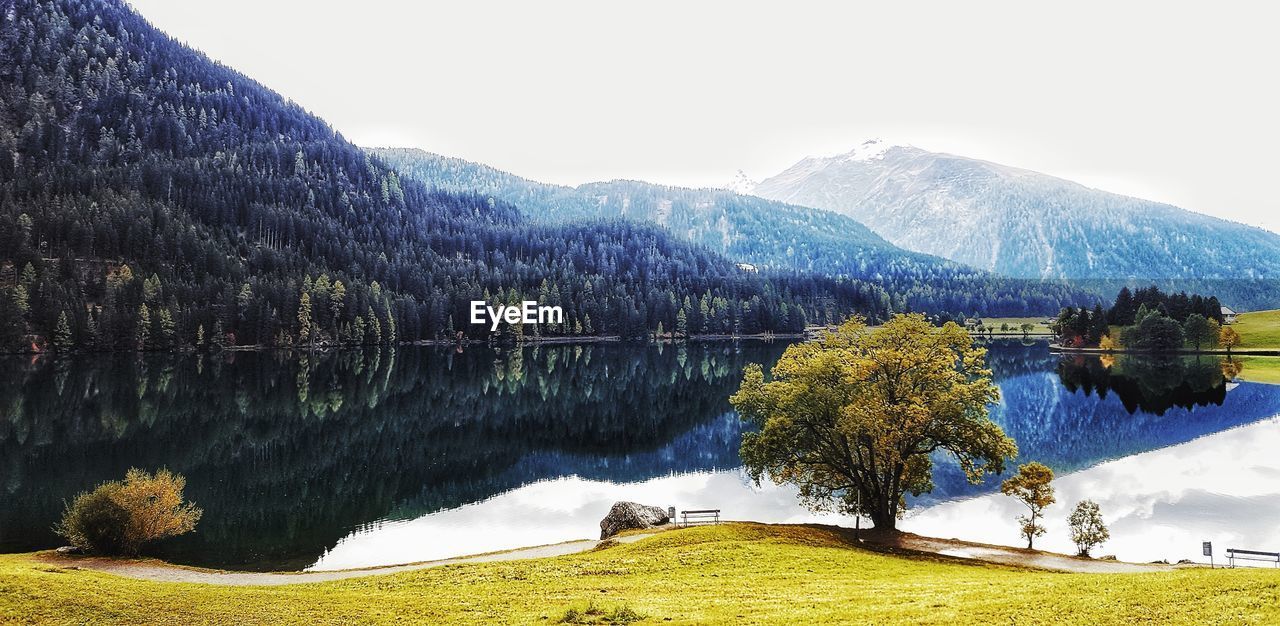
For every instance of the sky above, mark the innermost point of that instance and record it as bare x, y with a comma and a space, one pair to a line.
1171, 101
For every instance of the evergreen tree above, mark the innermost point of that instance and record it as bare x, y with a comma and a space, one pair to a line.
167, 328
390, 329
62, 339
304, 320
144, 328
337, 299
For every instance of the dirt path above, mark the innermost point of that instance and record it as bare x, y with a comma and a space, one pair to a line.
1011, 556
165, 572
161, 571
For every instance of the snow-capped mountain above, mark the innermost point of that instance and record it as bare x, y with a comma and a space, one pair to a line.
1022, 223
766, 235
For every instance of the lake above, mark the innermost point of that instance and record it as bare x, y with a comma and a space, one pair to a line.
361, 458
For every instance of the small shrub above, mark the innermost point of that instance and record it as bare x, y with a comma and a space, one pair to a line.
593, 614
119, 517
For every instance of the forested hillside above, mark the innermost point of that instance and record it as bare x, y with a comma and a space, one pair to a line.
764, 233
1026, 224
153, 198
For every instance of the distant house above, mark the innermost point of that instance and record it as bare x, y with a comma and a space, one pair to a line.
747, 267
1228, 316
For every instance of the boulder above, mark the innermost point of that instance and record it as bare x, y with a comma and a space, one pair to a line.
629, 515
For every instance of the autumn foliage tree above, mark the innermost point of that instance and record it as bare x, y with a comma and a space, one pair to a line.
854, 418
119, 517
1228, 338
1031, 486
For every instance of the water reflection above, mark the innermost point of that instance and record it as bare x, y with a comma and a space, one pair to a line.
1223, 488
287, 455
364, 458
1074, 412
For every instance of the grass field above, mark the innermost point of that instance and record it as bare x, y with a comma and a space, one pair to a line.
734, 573
1015, 325
1259, 329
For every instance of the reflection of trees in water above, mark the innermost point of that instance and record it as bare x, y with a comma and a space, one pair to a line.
1074, 412
287, 454
1151, 384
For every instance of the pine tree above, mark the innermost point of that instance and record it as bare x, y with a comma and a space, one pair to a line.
358, 331
682, 324
21, 299
144, 327
304, 319
374, 328
337, 298
151, 289
62, 339
167, 328
244, 299
28, 278
390, 329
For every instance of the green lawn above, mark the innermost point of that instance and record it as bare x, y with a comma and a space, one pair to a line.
1259, 329
731, 574
1015, 324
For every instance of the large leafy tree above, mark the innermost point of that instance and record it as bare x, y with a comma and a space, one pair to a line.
1201, 330
1154, 332
854, 419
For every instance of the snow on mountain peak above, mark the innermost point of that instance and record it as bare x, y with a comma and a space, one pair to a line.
741, 183
869, 150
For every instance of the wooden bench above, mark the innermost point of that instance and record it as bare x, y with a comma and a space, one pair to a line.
699, 516
1251, 555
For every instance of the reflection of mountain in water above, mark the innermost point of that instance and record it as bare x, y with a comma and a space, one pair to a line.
1073, 412
287, 455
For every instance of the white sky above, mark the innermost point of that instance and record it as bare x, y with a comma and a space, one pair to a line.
1170, 101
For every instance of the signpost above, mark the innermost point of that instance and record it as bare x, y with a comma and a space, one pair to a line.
1207, 548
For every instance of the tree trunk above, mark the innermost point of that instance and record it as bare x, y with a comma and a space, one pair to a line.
884, 516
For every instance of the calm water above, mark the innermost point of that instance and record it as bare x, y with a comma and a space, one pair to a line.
366, 458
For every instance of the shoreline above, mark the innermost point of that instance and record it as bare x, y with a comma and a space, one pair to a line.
555, 340
896, 543
1059, 349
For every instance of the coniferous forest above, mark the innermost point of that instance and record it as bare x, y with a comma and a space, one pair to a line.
156, 199
153, 198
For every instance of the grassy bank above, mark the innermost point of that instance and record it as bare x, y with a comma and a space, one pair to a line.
1015, 325
1259, 329
737, 573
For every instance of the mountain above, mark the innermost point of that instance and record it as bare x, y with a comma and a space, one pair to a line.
1025, 224
151, 198
765, 234
741, 183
